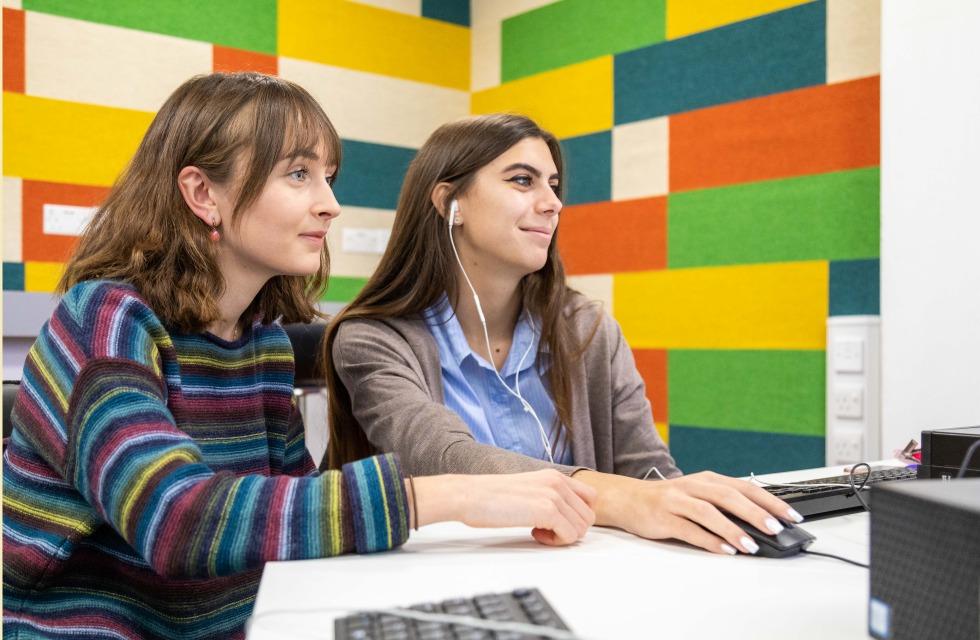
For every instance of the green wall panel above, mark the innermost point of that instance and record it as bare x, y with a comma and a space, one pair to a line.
343, 288
772, 391
563, 33
243, 24
831, 216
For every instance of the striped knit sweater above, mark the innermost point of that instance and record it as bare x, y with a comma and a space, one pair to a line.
151, 474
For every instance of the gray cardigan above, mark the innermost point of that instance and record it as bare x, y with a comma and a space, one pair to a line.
392, 373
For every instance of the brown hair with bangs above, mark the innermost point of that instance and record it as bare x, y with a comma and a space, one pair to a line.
418, 266
235, 127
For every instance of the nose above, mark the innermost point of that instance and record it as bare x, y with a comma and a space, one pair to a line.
548, 204
326, 205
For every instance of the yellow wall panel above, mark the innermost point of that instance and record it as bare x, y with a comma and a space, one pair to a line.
357, 36
685, 17
569, 101
768, 306
42, 277
664, 431
61, 141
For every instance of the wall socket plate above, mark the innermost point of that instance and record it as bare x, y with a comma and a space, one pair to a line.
848, 355
848, 401
846, 447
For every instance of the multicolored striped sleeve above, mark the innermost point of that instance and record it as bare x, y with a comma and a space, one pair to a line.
146, 478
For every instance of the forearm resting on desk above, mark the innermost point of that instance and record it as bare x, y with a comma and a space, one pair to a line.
688, 508
556, 507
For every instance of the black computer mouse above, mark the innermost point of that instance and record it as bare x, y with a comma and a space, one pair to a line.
788, 542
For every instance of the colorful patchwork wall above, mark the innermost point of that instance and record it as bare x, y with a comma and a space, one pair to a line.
723, 161
82, 79
723, 195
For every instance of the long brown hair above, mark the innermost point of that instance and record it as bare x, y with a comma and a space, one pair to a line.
418, 266
234, 127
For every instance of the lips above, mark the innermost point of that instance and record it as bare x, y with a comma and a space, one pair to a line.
544, 232
314, 236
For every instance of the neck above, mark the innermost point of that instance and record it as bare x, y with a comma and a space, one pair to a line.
500, 299
241, 287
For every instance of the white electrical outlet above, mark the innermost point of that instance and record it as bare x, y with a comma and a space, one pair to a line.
848, 402
360, 240
65, 219
846, 447
849, 355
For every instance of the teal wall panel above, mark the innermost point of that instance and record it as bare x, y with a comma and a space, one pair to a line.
855, 288
739, 453
772, 53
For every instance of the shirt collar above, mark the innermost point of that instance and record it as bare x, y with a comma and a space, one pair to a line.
441, 318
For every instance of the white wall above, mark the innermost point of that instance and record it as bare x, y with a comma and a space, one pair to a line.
930, 217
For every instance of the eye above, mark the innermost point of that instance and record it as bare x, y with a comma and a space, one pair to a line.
298, 174
331, 180
523, 180
556, 188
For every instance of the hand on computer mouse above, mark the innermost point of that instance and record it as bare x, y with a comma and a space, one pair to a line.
689, 508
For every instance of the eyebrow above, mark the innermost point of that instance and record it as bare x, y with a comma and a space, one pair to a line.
301, 153
527, 167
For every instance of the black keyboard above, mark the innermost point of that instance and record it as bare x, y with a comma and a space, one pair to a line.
827, 501
521, 605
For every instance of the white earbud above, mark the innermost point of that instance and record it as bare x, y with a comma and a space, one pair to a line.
454, 219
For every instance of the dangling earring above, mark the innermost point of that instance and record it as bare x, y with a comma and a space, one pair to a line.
214, 235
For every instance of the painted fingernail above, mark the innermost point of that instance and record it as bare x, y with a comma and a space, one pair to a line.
794, 515
730, 550
749, 544
773, 525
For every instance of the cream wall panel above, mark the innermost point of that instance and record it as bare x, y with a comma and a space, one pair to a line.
485, 19
13, 4
375, 108
13, 231
639, 155
99, 64
853, 39
411, 7
595, 287
360, 265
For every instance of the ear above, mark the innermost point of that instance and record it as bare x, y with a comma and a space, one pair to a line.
439, 195
195, 187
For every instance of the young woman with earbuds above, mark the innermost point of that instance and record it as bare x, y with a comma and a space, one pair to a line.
466, 352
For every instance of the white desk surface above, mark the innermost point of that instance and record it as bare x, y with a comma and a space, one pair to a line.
609, 585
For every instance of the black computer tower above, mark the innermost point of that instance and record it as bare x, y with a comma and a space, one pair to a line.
925, 560
944, 450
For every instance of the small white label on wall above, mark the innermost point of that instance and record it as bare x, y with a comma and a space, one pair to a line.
359, 240
66, 219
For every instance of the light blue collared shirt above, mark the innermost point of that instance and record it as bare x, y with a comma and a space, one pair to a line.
471, 388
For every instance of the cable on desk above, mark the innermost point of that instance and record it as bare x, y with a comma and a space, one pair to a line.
841, 558
857, 490
442, 618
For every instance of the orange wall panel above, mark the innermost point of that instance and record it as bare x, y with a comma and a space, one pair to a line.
228, 59
607, 237
652, 365
37, 245
13, 50
814, 130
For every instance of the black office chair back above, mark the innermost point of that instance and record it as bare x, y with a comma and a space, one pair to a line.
306, 339
10, 389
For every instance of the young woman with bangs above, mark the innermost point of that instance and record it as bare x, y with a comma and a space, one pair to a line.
466, 352
157, 459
